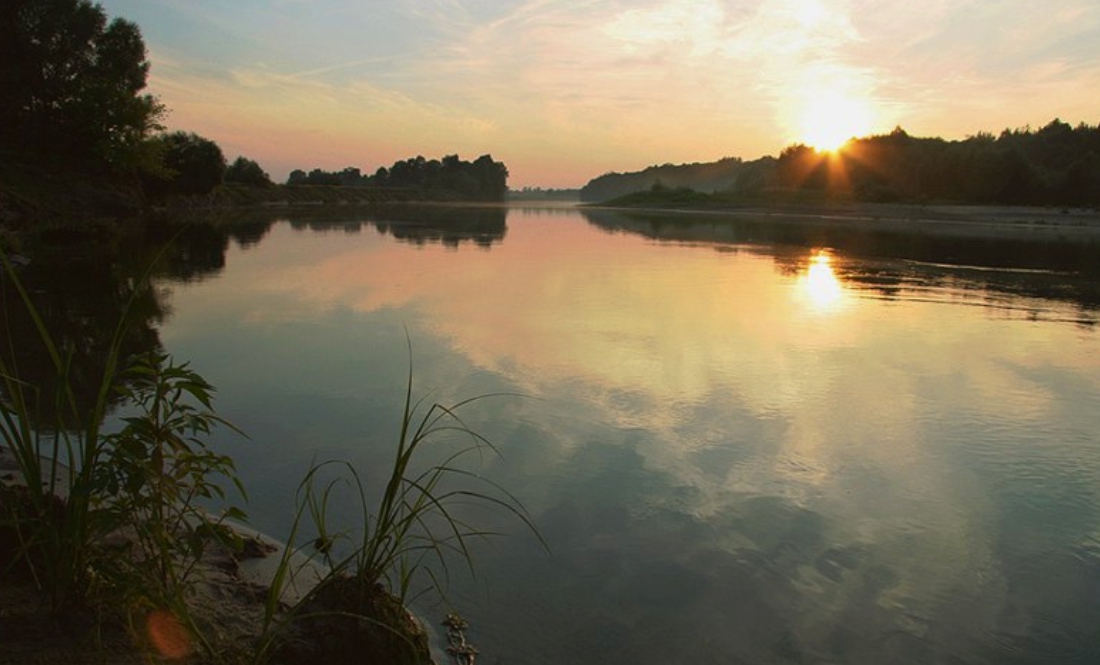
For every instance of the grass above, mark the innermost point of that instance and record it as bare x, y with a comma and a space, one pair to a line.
115, 529
117, 524
58, 541
410, 534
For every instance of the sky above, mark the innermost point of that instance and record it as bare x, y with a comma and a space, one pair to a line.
563, 91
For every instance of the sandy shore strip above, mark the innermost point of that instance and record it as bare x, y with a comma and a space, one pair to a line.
1015, 222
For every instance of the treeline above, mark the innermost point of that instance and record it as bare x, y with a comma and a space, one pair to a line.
480, 180
544, 194
80, 137
1058, 164
701, 177
1055, 165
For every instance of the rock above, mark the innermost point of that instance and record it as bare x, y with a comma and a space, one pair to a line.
349, 620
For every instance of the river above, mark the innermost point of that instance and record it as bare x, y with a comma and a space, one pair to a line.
742, 441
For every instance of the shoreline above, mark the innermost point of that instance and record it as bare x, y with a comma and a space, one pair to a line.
227, 602
1016, 222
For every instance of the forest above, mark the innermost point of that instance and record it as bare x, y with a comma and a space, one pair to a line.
1056, 165
480, 180
701, 177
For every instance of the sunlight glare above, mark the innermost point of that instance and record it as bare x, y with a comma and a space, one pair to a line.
831, 119
820, 282
812, 14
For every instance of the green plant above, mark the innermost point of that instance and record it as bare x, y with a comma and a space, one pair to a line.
142, 485
414, 528
58, 524
160, 467
118, 517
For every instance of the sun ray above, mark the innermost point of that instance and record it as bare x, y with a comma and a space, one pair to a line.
831, 119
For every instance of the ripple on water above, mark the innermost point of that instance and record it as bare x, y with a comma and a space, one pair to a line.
1051, 611
1034, 638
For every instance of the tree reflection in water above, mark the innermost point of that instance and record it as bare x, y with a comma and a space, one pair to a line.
896, 262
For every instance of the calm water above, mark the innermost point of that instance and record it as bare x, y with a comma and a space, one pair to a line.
742, 445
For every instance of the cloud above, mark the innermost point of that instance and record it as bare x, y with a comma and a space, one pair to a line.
954, 68
607, 84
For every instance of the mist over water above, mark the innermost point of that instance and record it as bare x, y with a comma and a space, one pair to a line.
739, 447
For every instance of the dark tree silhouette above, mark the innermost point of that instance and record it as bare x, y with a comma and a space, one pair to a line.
247, 172
194, 165
800, 166
1056, 165
701, 177
71, 81
481, 180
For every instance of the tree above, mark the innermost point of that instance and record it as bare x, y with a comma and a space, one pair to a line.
492, 176
195, 165
246, 172
481, 180
322, 177
71, 81
801, 167
350, 177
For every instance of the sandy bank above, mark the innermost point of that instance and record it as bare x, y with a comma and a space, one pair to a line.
1016, 222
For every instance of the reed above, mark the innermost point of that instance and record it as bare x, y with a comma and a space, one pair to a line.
117, 520
59, 524
412, 531
147, 479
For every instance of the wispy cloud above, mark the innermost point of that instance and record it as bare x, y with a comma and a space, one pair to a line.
607, 84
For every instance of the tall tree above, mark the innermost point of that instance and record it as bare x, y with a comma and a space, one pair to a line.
492, 176
195, 165
247, 172
72, 81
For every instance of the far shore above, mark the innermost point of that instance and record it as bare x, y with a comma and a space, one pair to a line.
988, 221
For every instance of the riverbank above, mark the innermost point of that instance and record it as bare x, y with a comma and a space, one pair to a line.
227, 603
116, 560
228, 595
971, 221
232, 589
31, 193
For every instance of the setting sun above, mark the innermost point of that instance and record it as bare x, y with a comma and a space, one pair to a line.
831, 119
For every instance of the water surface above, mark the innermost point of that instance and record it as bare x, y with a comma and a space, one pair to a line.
742, 444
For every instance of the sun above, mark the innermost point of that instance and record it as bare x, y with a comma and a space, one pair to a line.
830, 119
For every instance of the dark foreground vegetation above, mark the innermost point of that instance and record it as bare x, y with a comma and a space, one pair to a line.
125, 542
1057, 165
133, 545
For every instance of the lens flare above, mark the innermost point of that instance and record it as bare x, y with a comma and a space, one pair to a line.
167, 635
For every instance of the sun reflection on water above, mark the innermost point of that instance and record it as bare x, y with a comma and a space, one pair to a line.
820, 284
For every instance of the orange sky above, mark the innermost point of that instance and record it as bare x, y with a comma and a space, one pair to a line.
567, 90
